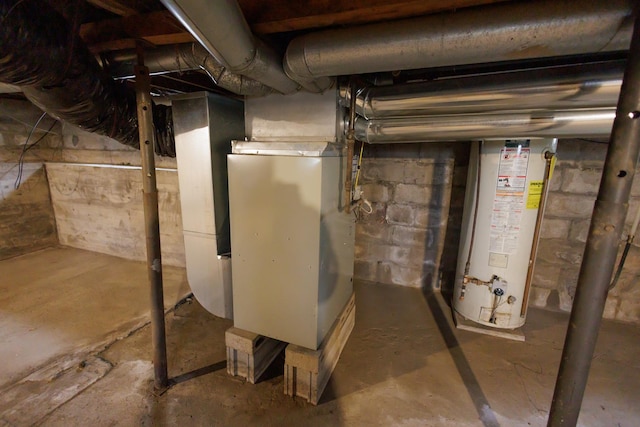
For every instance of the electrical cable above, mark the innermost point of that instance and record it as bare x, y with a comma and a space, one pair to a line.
26, 147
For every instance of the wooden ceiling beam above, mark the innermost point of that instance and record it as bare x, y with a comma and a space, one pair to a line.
157, 28
118, 7
276, 16
264, 17
131, 43
127, 7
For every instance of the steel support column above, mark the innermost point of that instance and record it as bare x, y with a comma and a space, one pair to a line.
152, 225
602, 246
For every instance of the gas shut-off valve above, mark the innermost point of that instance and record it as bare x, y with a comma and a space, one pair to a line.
497, 286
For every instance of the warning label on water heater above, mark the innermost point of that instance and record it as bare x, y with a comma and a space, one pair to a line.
535, 194
512, 172
508, 203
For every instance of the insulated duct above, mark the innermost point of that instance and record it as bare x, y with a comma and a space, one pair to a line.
5, 88
220, 27
594, 85
503, 32
563, 124
40, 53
184, 57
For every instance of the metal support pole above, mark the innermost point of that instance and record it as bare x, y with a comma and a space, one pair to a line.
152, 225
602, 245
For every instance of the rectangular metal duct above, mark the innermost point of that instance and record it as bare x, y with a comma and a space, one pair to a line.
204, 126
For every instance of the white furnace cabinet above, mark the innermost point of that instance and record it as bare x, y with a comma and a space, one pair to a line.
292, 245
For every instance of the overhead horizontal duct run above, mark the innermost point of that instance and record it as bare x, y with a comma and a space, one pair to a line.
184, 57
556, 88
503, 32
220, 27
563, 124
561, 101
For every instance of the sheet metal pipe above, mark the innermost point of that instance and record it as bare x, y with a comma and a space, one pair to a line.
601, 249
184, 57
593, 85
503, 32
584, 123
221, 28
152, 226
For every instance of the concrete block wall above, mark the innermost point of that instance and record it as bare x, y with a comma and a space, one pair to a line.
416, 192
573, 190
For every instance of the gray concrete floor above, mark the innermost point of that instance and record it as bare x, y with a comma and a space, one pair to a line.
405, 363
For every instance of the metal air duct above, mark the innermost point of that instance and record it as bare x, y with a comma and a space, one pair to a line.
576, 124
205, 125
594, 85
502, 32
5, 88
221, 28
184, 57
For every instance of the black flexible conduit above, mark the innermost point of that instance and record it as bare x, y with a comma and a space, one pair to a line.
44, 55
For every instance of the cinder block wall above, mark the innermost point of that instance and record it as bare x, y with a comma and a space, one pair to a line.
574, 187
412, 236
416, 192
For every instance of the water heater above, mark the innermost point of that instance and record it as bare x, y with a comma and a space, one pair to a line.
505, 186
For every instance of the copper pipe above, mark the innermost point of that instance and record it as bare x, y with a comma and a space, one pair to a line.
536, 231
348, 182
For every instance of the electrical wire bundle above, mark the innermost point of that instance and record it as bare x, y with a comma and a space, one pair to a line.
26, 147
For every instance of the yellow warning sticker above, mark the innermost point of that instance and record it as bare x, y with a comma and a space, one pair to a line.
535, 193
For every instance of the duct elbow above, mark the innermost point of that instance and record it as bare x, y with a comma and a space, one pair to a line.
295, 66
266, 68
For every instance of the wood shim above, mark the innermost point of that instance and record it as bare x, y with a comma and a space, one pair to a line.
250, 354
307, 372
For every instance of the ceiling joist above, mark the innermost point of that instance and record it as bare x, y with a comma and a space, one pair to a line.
275, 16
125, 7
156, 28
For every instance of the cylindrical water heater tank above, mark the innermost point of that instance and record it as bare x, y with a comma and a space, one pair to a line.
491, 278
